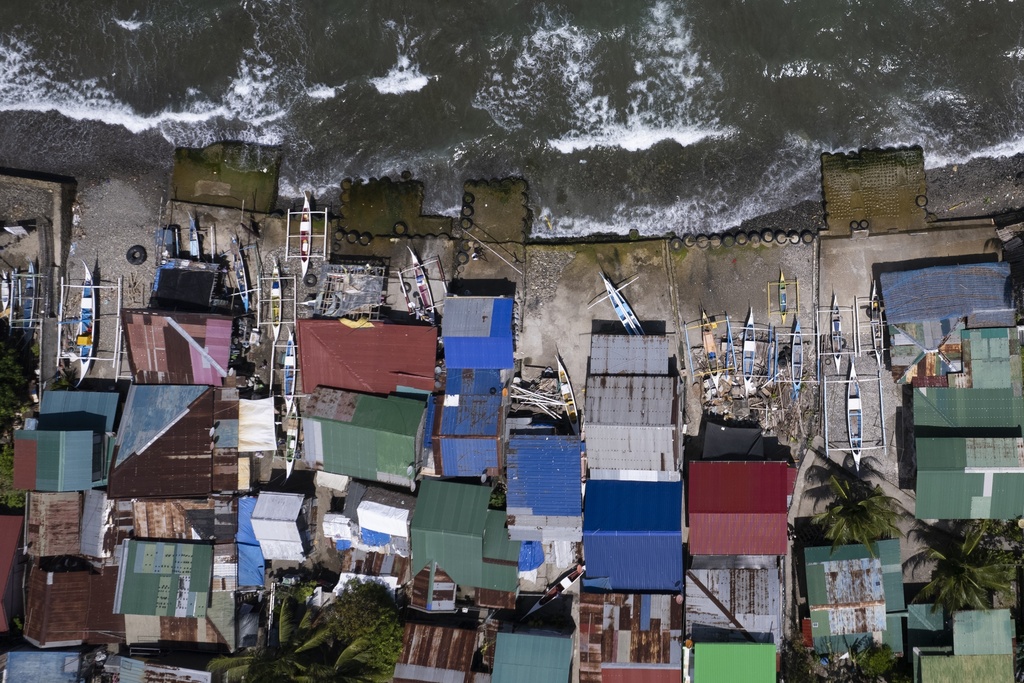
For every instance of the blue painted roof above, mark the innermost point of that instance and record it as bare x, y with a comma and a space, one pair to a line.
50, 666
476, 415
467, 456
632, 534
543, 474
980, 289
465, 352
471, 381
250, 555
149, 410
477, 332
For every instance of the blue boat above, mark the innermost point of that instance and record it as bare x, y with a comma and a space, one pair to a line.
622, 308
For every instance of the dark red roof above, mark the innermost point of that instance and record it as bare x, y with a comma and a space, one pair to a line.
372, 360
25, 464
738, 508
638, 674
10, 534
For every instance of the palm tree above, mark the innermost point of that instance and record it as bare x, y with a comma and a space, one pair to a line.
966, 575
858, 514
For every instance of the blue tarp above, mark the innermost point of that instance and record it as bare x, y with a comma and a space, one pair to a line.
428, 426
531, 555
374, 538
982, 290
250, 557
342, 544
52, 667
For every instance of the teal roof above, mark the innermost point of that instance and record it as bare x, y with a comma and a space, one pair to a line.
164, 579
78, 411
726, 662
953, 409
993, 356
963, 669
378, 443
983, 632
64, 460
453, 528
149, 411
532, 658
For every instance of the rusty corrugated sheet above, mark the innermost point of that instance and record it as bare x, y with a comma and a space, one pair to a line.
210, 519
435, 648
486, 597
54, 521
608, 619
421, 584
158, 354
103, 626
25, 464
72, 607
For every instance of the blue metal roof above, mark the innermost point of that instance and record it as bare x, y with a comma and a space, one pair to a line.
477, 332
981, 289
78, 411
50, 666
250, 555
632, 534
479, 352
468, 457
475, 415
543, 474
471, 381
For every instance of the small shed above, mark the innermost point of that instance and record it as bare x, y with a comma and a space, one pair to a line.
51, 666
544, 496
477, 332
279, 523
469, 424
747, 662
524, 657
436, 653
177, 348
620, 354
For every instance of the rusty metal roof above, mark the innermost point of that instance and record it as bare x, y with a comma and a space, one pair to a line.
217, 628
630, 628
10, 536
211, 519
177, 348
69, 608
734, 605
435, 653
54, 524
375, 359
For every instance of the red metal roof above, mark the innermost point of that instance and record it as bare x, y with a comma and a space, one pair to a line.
25, 464
642, 675
738, 508
10, 534
373, 360
160, 354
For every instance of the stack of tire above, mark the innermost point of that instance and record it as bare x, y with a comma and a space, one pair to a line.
740, 238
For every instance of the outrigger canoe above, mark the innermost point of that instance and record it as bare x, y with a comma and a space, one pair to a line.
707, 331
796, 359
289, 373
622, 308
556, 589
241, 279
84, 339
783, 303
275, 301
854, 415
305, 234
749, 352
875, 315
193, 238
291, 440
423, 298
568, 396
836, 330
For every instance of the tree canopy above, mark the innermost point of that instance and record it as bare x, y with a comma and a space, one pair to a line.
967, 574
858, 514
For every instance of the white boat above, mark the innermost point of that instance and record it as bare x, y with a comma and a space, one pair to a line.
749, 353
622, 308
875, 316
854, 415
707, 332
783, 302
28, 297
5, 293
291, 439
305, 234
275, 301
193, 238
86, 326
289, 373
730, 350
772, 356
836, 330
796, 359
568, 396
241, 279
422, 299
557, 588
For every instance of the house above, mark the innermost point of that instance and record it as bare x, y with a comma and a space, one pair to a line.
137, 671
544, 498
632, 536
468, 434
69, 447
747, 662
375, 358
478, 333
12, 570
927, 309
279, 523
363, 436
178, 347
52, 666
524, 657
631, 427
53, 524
972, 646
164, 579
455, 535
251, 563
855, 596
436, 653
968, 435
176, 441
67, 606
738, 508
619, 354
735, 604
630, 638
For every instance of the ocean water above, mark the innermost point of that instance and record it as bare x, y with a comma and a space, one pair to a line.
654, 115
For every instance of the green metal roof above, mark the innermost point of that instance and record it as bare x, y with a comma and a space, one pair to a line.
993, 354
64, 460
960, 495
78, 411
886, 551
926, 628
380, 439
165, 579
955, 408
961, 668
983, 632
726, 662
532, 658
453, 527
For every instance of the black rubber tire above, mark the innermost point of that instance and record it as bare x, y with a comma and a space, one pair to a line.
335, 245
466, 223
767, 236
462, 258
755, 238
728, 240
689, 240
702, 241
352, 237
794, 237
675, 244
715, 240
807, 237
741, 238
921, 200
339, 234
467, 210
864, 224
400, 228
854, 225
780, 237
464, 245
365, 239
346, 183
310, 280
136, 255
468, 198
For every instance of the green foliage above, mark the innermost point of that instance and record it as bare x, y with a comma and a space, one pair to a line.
967, 573
876, 661
498, 498
798, 665
10, 497
366, 611
859, 514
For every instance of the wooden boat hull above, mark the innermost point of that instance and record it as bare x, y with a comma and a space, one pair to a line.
86, 325
568, 397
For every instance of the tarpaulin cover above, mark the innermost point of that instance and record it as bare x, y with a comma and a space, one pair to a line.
531, 555
342, 544
384, 518
250, 556
374, 539
256, 425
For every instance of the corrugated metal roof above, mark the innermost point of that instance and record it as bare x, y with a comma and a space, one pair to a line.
63, 461
78, 410
137, 671
632, 534
53, 524
734, 605
51, 667
98, 532
954, 408
164, 348
10, 553
217, 628
957, 669
992, 358
615, 447
283, 507
469, 434
377, 359
435, 653
730, 441
943, 292
621, 354
543, 475
631, 400
747, 662
69, 608
211, 519
619, 633
278, 525
164, 579
738, 508
531, 658
983, 632
477, 316
470, 415
473, 381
